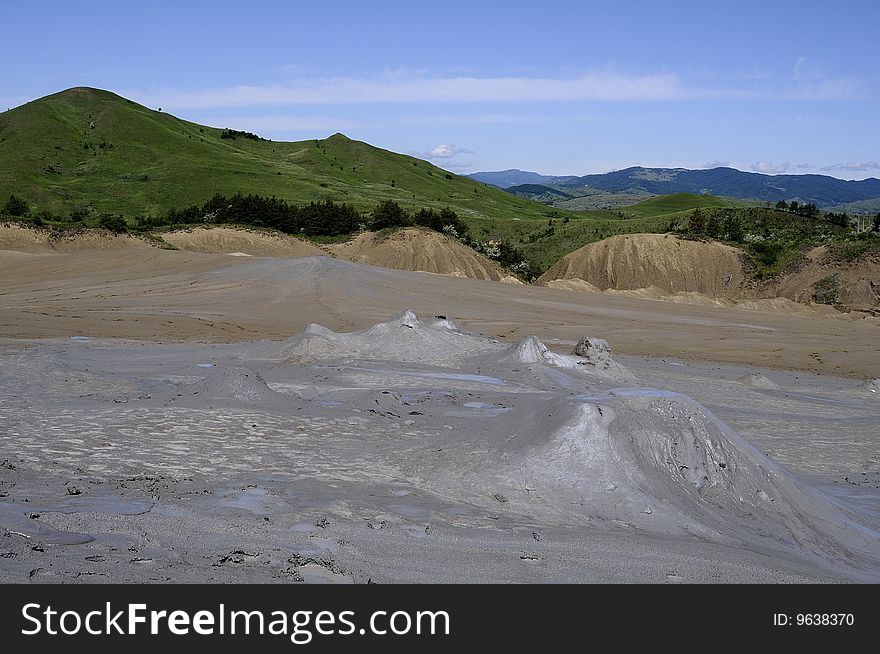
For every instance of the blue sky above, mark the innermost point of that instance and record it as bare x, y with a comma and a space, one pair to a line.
559, 88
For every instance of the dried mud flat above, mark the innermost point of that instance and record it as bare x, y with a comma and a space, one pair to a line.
414, 449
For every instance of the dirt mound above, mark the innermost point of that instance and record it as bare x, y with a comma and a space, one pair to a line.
657, 461
21, 238
239, 242
591, 356
757, 380
405, 338
596, 354
639, 261
573, 285
419, 250
232, 386
826, 281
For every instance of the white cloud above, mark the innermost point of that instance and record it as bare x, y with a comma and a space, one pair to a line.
414, 87
445, 151
853, 166
770, 168
442, 151
397, 87
716, 164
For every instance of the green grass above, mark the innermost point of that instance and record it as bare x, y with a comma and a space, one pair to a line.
543, 242
89, 148
867, 245
669, 204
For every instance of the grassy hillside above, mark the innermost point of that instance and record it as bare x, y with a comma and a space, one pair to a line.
89, 148
543, 241
776, 240
669, 204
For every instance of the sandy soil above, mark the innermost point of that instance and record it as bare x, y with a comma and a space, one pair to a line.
636, 261
236, 240
420, 250
18, 238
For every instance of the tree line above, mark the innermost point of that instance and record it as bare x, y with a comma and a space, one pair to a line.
323, 218
806, 210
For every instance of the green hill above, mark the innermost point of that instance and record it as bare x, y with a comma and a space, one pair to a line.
90, 148
668, 204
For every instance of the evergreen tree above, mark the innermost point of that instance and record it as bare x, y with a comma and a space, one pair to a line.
389, 214
697, 223
733, 228
713, 226
16, 206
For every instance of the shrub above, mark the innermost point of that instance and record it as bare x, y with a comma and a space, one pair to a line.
389, 214
16, 206
115, 224
697, 223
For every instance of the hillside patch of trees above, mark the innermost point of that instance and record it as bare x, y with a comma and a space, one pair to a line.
389, 214
324, 218
233, 134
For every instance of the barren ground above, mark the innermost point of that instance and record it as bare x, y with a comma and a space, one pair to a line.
165, 418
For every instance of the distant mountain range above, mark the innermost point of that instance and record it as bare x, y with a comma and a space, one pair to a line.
821, 190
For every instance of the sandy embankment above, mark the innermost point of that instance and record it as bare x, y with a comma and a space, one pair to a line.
664, 267
661, 261
238, 241
17, 238
411, 249
421, 250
